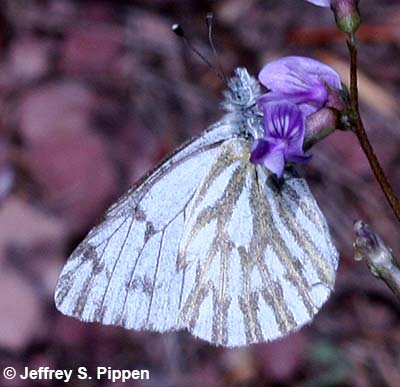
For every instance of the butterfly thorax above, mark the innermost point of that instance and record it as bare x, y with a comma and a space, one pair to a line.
241, 103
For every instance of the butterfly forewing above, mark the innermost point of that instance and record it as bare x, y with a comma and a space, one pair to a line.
207, 242
123, 269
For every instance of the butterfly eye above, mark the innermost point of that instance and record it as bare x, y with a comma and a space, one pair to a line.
238, 97
241, 96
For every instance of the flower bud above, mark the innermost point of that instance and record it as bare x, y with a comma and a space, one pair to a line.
346, 14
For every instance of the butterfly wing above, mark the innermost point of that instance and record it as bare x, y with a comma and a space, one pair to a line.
205, 243
121, 272
258, 261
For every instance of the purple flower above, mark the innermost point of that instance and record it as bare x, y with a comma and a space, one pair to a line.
321, 3
284, 126
303, 81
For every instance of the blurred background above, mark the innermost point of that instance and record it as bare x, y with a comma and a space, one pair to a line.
94, 93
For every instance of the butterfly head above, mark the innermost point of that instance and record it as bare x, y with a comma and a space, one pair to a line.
243, 91
241, 101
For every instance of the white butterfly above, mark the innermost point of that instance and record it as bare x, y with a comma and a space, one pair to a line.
208, 243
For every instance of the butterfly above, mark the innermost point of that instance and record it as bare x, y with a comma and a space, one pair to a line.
208, 242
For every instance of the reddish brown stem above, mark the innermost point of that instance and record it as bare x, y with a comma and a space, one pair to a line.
362, 135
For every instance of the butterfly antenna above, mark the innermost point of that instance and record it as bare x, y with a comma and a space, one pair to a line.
178, 30
209, 19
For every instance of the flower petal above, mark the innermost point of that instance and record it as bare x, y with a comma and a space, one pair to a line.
275, 162
269, 154
321, 3
298, 79
296, 157
284, 131
284, 120
259, 149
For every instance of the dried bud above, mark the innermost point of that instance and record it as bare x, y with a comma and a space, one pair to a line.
379, 257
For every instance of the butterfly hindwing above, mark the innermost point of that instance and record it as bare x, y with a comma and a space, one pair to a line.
258, 262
